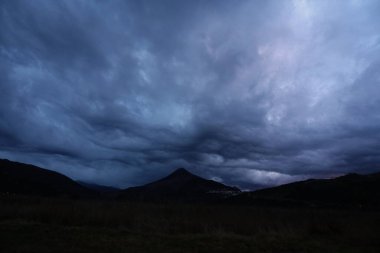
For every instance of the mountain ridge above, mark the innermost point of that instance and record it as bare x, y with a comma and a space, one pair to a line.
350, 190
20, 178
180, 185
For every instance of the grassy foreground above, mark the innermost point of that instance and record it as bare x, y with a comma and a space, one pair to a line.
30, 224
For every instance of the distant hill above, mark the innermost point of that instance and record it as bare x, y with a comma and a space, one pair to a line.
180, 186
99, 188
19, 178
352, 190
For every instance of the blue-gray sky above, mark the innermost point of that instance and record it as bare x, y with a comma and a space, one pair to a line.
250, 93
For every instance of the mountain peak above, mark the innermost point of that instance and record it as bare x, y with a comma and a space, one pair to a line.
180, 185
181, 171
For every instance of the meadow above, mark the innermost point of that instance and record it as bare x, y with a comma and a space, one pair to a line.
36, 224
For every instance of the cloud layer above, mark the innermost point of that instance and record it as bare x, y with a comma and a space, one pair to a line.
253, 93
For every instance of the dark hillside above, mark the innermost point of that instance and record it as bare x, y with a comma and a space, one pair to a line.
181, 186
352, 190
19, 178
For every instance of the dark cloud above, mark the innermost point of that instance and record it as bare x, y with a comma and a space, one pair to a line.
252, 93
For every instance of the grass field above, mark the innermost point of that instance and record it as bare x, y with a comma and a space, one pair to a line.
31, 224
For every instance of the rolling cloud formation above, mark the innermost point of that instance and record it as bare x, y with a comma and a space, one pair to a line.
251, 93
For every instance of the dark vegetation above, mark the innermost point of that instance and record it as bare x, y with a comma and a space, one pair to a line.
43, 211
35, 224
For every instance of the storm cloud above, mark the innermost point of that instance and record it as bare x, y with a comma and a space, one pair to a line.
250, 93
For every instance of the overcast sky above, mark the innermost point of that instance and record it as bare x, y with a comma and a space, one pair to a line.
249, 93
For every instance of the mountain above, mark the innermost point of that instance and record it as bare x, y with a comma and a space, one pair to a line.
180, 186
349, 191
98, 187
19, 178
352, 190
